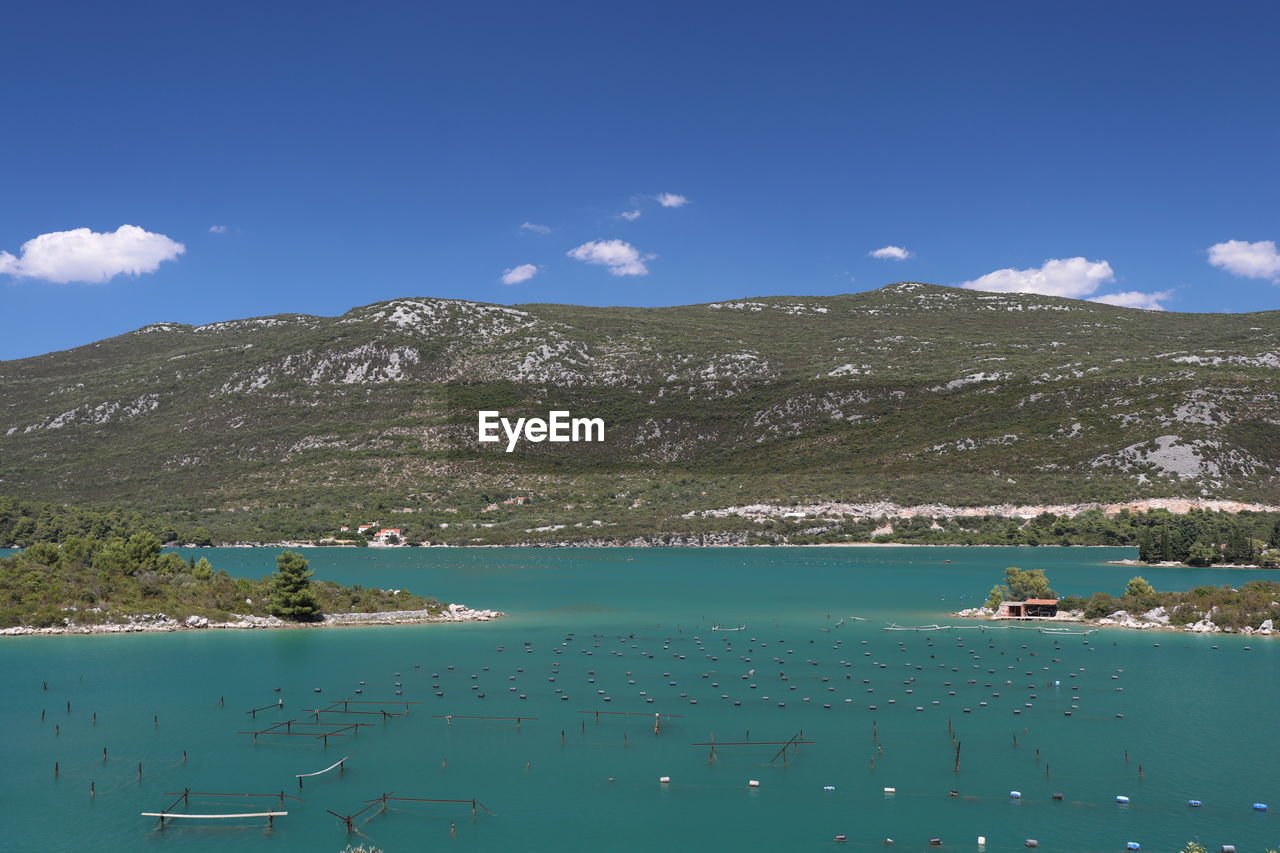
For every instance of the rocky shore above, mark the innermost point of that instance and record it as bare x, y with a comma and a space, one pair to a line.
1152, 620
159, 622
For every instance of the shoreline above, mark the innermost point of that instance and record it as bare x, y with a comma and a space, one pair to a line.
639, 544
1124, 620
1174, 564
161, 624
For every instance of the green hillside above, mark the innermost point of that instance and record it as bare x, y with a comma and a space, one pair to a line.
913, 394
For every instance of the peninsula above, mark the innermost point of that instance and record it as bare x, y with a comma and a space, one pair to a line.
119, 585
1025, 596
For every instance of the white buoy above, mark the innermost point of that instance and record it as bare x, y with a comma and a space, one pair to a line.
753, 783
891, 790
982, 841
664, 779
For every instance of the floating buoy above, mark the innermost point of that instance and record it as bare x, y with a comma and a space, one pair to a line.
1031, 842
935, 842
1259, 807
1015, 795
891, 790
828, 787
1132, 845
753, 783
982, 841
1195, 804
840, 839
1123, 800
664, 779
1057, 796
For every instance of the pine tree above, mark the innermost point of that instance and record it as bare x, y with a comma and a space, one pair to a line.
291, 595
1147, 547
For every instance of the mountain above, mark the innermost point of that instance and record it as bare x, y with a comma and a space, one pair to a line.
912, 393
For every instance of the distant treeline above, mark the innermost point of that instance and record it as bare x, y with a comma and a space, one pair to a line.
24, 523
1200, 537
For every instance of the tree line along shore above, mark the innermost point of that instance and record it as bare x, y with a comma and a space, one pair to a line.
112, 584
1199, 536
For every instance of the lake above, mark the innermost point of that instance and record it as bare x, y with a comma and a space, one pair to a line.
1160, 718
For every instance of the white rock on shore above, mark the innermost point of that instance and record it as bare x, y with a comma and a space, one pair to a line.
160, 622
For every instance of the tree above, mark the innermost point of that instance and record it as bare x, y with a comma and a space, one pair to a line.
1138, 587
1201, 554
997, 595
202, 570
291, 595
1027, 583
143, 550
1147, 547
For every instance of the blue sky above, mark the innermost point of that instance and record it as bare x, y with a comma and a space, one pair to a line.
349, 153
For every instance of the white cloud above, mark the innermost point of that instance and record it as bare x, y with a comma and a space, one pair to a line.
84, 255
536, 229
629, 215
1072, 277
1135, 299
1248, 260
217, 229
671, 200
891, 253
515, 275
621, 258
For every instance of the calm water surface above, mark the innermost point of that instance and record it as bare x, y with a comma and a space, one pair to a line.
1198, 722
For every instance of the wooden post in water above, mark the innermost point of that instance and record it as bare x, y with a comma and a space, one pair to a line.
957, 768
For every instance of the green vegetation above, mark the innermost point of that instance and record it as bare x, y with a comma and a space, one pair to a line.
24, 523
1019, 585
1226, 607
291, 595
289, 427
116, 580
1203, 539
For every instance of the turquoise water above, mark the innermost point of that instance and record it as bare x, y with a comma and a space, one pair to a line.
1197, 719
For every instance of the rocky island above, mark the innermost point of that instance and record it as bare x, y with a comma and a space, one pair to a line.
1253, 608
